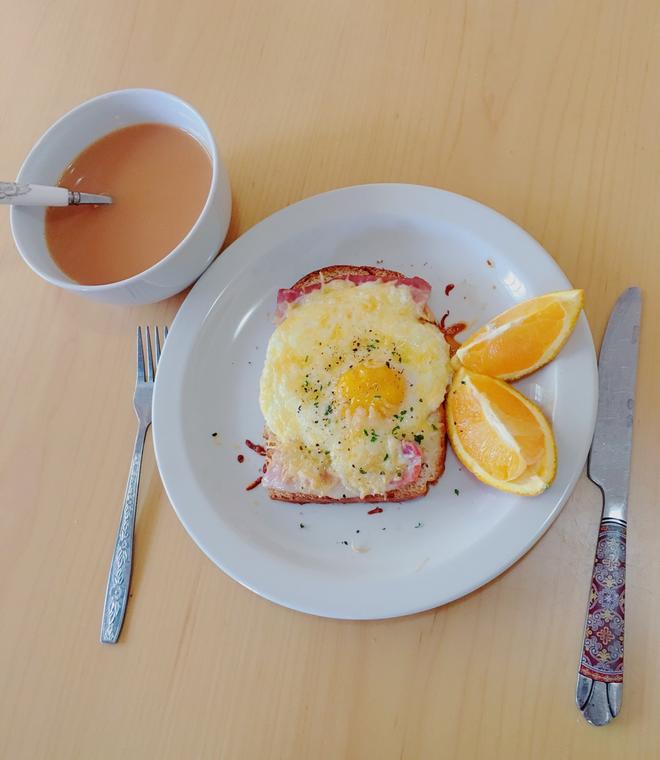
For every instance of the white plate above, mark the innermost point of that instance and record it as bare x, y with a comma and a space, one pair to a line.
412, 556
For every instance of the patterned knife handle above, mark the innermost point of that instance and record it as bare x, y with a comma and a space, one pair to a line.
600, 676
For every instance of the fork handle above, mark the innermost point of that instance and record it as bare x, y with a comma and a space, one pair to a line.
600, 674
119, 577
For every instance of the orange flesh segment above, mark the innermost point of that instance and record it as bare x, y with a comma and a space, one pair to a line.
515, 416
479, 440
523, 338
521, 346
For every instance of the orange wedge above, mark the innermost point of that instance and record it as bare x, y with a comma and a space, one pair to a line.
524, 338
499, 435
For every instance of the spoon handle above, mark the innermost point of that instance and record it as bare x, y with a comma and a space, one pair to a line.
12, 194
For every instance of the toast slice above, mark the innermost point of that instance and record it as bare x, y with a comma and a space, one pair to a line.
432, 466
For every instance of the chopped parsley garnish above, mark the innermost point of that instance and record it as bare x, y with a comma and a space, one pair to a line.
456, 491
362, 472
386, 457
418, 438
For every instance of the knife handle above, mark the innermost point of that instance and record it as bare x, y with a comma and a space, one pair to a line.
600, 675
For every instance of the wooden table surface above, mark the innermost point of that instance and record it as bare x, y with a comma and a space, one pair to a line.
548, 111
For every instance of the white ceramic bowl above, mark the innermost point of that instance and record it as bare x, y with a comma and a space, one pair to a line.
74, 132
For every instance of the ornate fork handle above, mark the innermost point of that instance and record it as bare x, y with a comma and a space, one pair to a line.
119, 577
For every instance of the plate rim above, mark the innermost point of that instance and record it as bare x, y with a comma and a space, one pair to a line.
198, 296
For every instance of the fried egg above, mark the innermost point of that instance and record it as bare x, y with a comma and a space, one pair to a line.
352, 383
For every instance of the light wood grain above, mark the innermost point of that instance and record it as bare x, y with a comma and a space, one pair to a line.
548, 111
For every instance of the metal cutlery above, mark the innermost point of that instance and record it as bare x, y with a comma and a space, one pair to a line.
600, 675
119, 577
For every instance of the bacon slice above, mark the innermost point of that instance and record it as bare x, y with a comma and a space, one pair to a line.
274, 477
413, 454
420, 290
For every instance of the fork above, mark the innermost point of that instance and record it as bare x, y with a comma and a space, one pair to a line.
119, 577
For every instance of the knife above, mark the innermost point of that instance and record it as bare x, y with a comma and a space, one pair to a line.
600, 674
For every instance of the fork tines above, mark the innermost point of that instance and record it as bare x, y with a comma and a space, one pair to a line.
149, 375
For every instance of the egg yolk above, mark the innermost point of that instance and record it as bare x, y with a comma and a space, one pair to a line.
364, 386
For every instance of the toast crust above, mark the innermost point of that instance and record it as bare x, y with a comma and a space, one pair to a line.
431, 471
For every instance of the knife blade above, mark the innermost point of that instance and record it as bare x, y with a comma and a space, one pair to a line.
600, 674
